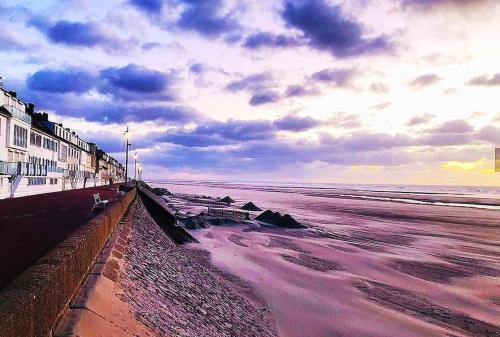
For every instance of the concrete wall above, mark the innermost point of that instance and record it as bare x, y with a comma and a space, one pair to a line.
33, 303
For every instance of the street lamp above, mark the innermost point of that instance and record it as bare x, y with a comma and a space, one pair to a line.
140, 171
127, 138
135, 166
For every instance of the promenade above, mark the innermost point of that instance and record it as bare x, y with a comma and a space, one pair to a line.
31, 226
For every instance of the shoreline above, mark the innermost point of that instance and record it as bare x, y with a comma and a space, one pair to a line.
364, 260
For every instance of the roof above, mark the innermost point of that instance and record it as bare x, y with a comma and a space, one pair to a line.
4, 111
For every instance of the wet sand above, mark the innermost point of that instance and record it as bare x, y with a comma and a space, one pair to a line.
364, 267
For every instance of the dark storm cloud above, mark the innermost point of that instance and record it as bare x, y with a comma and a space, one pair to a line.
425, 80
485, 80
61, 81
326, 28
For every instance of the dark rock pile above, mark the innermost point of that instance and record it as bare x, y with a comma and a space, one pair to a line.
161, 191
275, 218
250, 206
195, 223
227, 200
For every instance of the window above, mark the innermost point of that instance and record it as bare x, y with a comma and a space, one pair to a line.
20, 136
37, 181
64, 153
32, 138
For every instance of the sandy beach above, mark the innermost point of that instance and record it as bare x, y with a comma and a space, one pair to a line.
362, 267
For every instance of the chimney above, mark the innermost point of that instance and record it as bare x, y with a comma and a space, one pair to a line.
13, 94
30, 109
1, 82
45, 116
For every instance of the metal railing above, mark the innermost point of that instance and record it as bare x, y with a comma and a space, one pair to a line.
19, 114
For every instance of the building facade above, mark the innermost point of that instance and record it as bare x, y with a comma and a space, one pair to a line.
40, 156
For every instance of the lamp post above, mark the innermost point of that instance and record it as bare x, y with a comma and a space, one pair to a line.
140, 171
135, 166
127, 138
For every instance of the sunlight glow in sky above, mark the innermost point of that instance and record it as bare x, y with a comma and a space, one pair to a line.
356, 91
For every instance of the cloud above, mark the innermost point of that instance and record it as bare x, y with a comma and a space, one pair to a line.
334, 77
297, 90
61, 81
433, 3
221, 133
265, 39
251, 83
9, 42
345, 120
79, 34
379, 88
264, 98
326, 28
149, 6
425, 81
485, 80
206, 18
382, 106
453, 126
296, 123
134, 82
420, 119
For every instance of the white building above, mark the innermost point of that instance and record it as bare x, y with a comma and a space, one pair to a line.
40, 156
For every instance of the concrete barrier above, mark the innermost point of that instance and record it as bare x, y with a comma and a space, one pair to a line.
158, 210
33, 303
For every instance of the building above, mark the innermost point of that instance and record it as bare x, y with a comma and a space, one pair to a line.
40, 156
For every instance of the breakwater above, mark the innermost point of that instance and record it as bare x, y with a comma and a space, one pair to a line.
32, 303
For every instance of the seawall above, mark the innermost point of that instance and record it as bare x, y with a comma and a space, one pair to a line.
32, 304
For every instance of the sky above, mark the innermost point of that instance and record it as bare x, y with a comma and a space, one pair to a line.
321, 91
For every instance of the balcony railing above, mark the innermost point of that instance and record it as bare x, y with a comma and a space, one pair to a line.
8, 168
19, 114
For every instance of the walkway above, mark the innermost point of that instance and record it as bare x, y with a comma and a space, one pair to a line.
31, 226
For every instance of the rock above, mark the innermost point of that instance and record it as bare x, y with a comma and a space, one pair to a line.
250, 206
161, 191
275, 218
227, 200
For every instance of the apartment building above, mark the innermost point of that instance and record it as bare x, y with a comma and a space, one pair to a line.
40, 156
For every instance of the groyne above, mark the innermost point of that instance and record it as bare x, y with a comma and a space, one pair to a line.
160, 213
32, 304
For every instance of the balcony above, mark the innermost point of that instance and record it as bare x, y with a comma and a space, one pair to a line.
19, 114
8, 168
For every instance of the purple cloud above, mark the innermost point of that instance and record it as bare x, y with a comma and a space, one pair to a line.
264, 98
61, 81
149, 6
296, 123
205, 18
485, 80
325, 28
335, 77
453, 126
264, 39
252, 83
297, 90
425, 81
344, 120
379, 88
420, 119
134, 82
